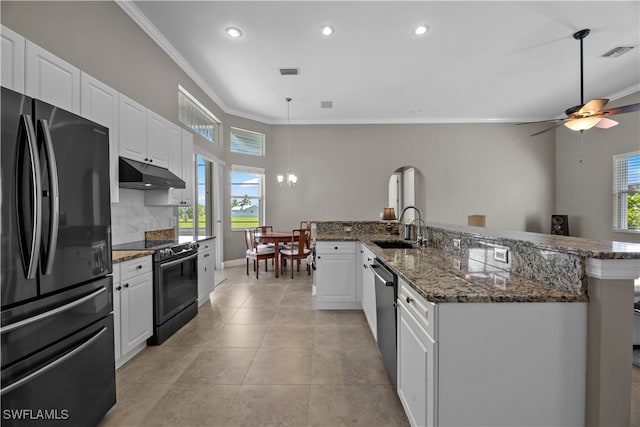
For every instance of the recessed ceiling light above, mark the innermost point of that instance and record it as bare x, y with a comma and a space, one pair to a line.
421, 29
327, 30
233, 32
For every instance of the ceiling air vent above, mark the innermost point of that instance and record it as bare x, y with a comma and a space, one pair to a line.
617, 51
289, 71
326, 104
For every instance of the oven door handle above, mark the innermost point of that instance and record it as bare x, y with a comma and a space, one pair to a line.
178, 261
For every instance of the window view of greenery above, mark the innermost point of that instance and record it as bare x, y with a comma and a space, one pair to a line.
246, 200
626, 188
186, 213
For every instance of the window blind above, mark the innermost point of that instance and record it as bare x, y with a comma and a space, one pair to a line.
247, 142
194, 115
626, 191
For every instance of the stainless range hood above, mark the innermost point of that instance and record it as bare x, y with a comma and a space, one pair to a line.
143, 176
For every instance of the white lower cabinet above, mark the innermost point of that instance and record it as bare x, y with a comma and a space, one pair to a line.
132, 306
368, 289
416, 368
507, 364
335, 276
206, 270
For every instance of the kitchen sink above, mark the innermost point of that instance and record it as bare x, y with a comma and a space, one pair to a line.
393, 244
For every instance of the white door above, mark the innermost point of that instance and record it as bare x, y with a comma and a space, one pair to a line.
157, 140
52, 79
99, 103
336, 278
12, 67
416, 370
132, 129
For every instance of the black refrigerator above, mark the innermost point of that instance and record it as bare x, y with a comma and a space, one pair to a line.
57, 356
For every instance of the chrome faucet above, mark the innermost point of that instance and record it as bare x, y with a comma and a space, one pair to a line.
419, 237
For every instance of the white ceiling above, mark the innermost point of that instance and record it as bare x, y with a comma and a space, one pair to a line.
480, 61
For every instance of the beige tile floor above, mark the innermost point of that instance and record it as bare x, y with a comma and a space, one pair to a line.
258, 354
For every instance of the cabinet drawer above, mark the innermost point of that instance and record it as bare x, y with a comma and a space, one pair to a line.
335, 248
205, 246
423, 310
135, 267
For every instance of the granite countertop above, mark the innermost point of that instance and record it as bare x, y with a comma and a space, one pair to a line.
121, 256
443, 277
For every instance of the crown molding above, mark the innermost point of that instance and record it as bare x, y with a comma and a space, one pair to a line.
624, 92
139, 18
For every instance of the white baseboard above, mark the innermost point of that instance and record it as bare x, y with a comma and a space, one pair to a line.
235, 262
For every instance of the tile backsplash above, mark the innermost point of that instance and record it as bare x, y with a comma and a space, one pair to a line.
131, 218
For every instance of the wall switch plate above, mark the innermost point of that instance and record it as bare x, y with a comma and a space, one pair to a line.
456, 243
501, 254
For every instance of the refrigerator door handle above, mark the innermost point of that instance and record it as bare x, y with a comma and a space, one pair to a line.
33, 254
53, 364
54, 196
10, 327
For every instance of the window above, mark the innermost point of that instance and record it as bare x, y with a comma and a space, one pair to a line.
626, 192
247, 142
195, 115
187, 226
246, 197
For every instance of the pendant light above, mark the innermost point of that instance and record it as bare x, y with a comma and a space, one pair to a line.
291, 178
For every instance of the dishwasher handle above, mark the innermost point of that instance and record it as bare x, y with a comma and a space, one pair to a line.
380, 277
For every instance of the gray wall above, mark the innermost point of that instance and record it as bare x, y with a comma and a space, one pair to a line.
492, 169
344, 170
584, 190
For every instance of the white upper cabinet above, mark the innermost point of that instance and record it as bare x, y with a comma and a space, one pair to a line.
12, 71
157, 140
133, 129
188, 172
99, 102
181, 163
51, 79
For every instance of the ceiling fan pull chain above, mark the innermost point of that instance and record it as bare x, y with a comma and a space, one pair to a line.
581, 158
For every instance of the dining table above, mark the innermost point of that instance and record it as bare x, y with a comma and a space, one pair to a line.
275, 237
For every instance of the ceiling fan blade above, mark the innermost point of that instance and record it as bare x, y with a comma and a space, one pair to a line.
620, 110
540, 121
546, 130
592, 106
605, 123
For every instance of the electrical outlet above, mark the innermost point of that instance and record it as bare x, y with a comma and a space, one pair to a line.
501, 254
456, 243
457, 264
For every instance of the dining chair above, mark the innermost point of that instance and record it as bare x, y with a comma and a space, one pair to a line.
257, 252
297, 250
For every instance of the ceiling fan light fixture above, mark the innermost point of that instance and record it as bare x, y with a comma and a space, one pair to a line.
583, 123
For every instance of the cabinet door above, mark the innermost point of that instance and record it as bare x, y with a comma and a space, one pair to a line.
136, 306
369, 292
175, 160
51, 79
336, 278
132, 123
12, 71
416, 370
206, 275
188, 174
117, 291
99, 103
157, 140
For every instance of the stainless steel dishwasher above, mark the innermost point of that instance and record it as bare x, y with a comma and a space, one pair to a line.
386, 285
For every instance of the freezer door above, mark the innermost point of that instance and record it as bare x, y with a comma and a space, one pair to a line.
20, 176
76, 226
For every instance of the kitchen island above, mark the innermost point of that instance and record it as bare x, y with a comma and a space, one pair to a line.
458, 265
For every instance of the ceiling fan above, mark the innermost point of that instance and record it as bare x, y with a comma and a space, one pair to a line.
585, 116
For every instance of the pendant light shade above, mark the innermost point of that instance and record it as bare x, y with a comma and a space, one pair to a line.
290, 178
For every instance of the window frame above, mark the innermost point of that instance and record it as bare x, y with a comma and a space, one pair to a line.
261, 198
620, 190
238, 130
204, 111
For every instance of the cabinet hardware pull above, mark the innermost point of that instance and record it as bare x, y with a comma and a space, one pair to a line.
118, 288
126, 285
139, 266
335, 247
409, 299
